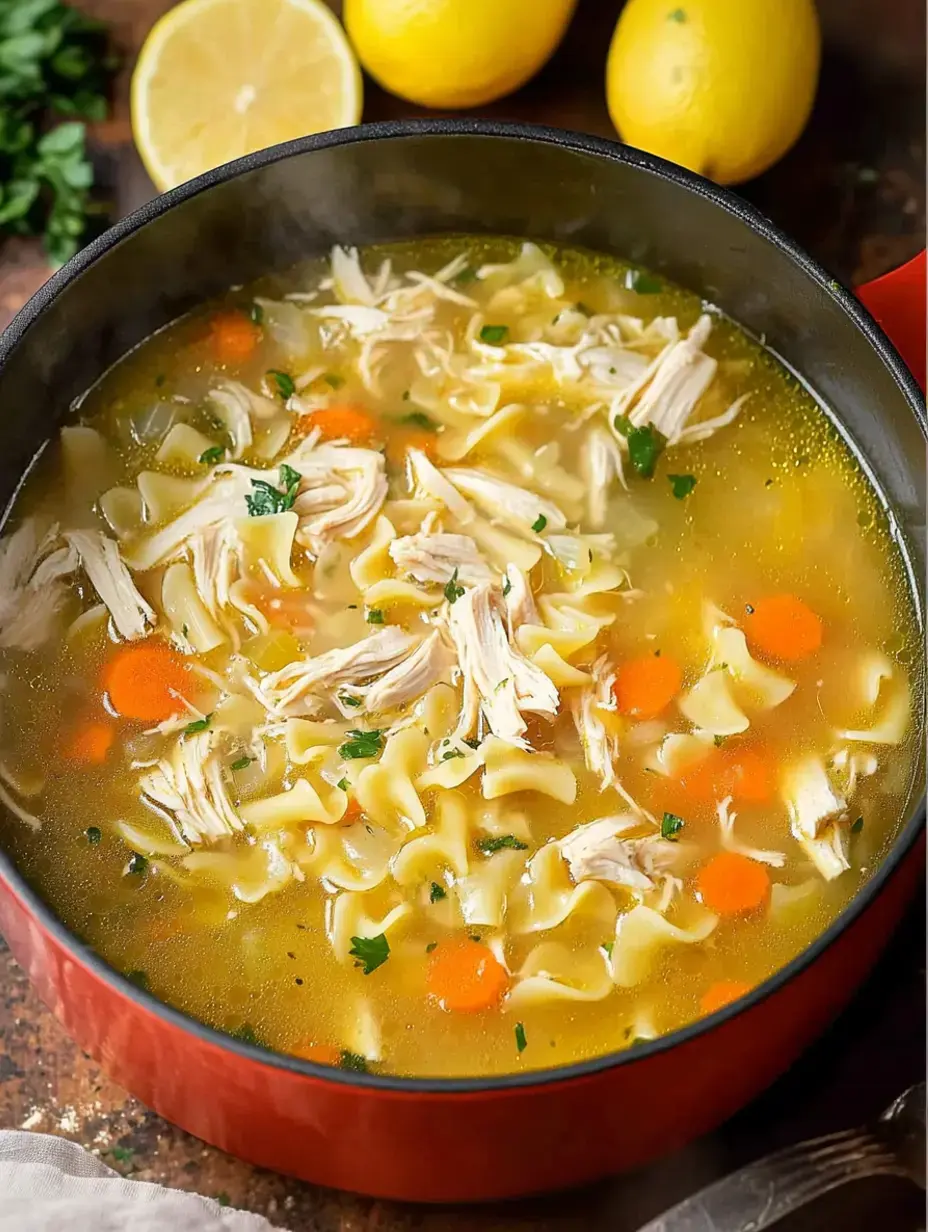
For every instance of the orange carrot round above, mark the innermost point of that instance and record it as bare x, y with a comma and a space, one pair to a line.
322, 1054
731, 884
783, 627
343, 421
722, 993
91, 745
147, 681
234, 337
465, 976
646, 686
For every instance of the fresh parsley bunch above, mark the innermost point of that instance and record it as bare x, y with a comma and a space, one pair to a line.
54, 63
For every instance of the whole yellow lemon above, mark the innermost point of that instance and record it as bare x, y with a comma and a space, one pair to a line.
455, 53
723, 87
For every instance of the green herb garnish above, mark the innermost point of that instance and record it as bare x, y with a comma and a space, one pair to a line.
642, 283
671, 825
333, 380
682, 485
342, 784
347, 700
494, 334
223, 1198
138, 864
718, 741
353, 1060
256, 313
437, 892
432, 945
361, 744
93, 835
370, 952
607, 947
284, 382
420, 420
124, 1154
209, 457
507, 585
453, 591
198, 725
644, 445
451, 753
521, 1041
266, 499
472, 741
489, 845
857, 826
242, 763
467, 274
539, 524
374, 616
677, 15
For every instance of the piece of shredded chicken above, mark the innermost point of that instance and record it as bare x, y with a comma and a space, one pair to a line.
189, 783
520, 602
597, 851
341, 492
600, 746
411, 678
132, 615
32, 591
437, 557
818, 815
504, 684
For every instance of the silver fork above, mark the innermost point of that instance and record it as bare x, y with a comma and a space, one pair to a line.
764, 1192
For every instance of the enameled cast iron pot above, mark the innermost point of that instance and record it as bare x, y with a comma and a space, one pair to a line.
471, 1138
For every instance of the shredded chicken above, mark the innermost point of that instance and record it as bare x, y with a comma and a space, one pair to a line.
341, 492
132, 615
506, 683
32, 592
439, 557
727, 826
189, 783
237, 405
600, 747
817, 815
506, 503
427, 664
597, 852
299, 688
601, 463
520, 602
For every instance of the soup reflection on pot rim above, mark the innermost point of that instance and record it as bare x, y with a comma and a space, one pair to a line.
448, 660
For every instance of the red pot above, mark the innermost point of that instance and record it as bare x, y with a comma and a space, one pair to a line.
441, 1140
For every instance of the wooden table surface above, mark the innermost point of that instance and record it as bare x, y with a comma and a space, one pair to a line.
853, 192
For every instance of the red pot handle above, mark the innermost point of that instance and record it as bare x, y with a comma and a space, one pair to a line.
897, 300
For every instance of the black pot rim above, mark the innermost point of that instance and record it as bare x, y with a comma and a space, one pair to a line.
583, 144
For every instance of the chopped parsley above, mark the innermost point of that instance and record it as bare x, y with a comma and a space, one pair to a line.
607, 947
521, 1041
138, 864
496, 335
677, 15
124, 1154
353, 1060
539, 524
333, 380
138, 977
452, 590
374, 616
857, 826
242, 763
682, 485
437, 892
93, 835
492, 843
645, 445
284, 382
507, 585
256, 312
342, 784
432, 945
467, 274
642, 283
223, 1198
347, 700
718, 741
266, 499
198, 725
450, 754
419, 419
209, 457
473, 742
370, 952
671, 825
361, 744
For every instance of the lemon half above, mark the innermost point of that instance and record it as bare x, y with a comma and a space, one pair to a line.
217, 79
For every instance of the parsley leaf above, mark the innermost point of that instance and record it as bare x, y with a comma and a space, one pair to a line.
256, 313
857, 825
420, 420
374, 616
361, 744
645, 445
347, 700
467, 274
507, 585
209, 457
93, 835
284, 382
473, 742
496, 335
437, 892
718, 741
138, 864
452, 590
353, 1060
198, 725
682, 485
642, 283
677, 15
370, 952
451, 753
266, 499
671, 825
539, 524
607, 947
242, 763
492, 843
521, 1041
342, 784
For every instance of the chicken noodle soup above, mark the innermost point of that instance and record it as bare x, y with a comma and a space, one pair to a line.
451, 659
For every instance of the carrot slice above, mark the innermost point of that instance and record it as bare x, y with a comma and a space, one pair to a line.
335, 422
91, 745
465, 976
646, 686
722, 993
234, 337
744, 773
783, 627
322, 1054
148, 681
731, 884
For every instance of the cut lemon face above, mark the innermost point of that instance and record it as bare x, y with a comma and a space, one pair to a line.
217, 79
